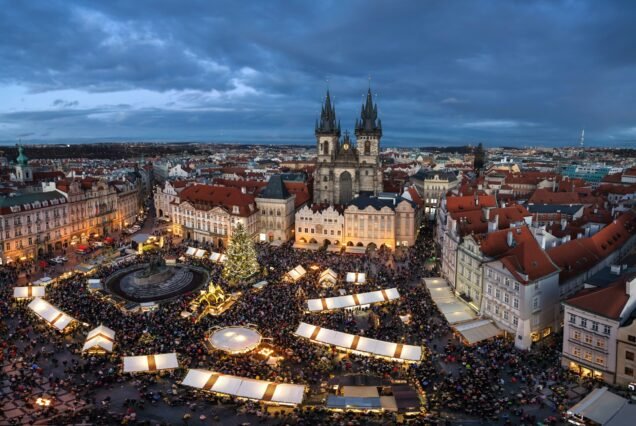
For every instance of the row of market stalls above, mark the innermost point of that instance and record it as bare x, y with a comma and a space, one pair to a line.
352, 300
360, 345
459, 315
200, 254
259, 390
327, 278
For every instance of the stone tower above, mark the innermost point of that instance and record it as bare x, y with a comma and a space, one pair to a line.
344, 169
23, 172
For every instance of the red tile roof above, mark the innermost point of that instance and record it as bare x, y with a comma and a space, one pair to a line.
510, 214
206, 197
543, 196
577, 256
524, 258
608, 302
300, 189
469, 202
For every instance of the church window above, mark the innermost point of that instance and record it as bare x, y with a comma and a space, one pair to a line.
367, 147
325, 178
366, 172
325, 148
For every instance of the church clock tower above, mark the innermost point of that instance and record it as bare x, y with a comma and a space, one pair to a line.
368, 135
327, 137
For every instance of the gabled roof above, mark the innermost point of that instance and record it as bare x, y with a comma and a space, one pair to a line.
544, 196
470, 202
206, 197
577, 256
607, 302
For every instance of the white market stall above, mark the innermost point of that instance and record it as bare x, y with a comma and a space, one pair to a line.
28, 292
190, 251
218, 257
295, 274
51, 314
352, 300
359, 344
99, 340
328, 278
356, 277
150, 363
200, 253
94, 284
260, 390
43, 281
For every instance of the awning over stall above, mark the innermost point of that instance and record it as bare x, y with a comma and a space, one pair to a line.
50, 314
351, 300
150, 363
260, 390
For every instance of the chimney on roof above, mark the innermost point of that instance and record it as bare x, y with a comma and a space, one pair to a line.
630, 288
615, 269
509, 240
477, 200
564, 224
243, 190
493, 225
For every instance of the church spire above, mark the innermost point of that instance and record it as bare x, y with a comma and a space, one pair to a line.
369, 122
328, 124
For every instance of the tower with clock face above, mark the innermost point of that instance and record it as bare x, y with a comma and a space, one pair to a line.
344, 169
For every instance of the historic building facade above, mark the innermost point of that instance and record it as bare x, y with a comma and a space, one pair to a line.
343, 169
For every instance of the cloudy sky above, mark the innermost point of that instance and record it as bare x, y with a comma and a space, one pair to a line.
443, 72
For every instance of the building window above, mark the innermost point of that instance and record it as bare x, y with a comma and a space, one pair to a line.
535, 302
515, 320
630, 337
506, 299
600, 360
600, 343
489, 289
516, 286
606, 329
629, 371
587, 356
588, 339
583, 322
572, 318
577, 335
629, 355
594, 326
576, 351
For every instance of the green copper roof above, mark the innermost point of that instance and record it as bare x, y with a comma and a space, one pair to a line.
22, 159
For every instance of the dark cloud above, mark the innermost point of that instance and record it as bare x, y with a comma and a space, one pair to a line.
503, 72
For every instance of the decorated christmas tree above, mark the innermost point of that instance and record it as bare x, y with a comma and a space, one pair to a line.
241, 260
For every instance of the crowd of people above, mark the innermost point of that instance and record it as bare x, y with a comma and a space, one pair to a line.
472, 381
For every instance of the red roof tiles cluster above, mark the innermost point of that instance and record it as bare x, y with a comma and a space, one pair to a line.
608, 301
543, 196
206, 197
577, 256
469, 202
524, 258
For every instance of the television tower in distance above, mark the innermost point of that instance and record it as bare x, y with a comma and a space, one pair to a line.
581, 142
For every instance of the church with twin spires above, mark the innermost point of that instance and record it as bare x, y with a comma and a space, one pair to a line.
345, 169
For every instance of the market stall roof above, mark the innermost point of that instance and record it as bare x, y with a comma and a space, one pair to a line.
140, 238
351, 300
599, 406
44, 281
218, 257
100, 337
353, 403
50, 314
85, 267
297, 273
356, 277
190, 251
359, 344
281, 393
328, 276
94, 284
150, 363
28, 292
200, 253
478, 330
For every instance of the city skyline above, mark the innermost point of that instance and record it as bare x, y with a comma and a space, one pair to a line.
442, 73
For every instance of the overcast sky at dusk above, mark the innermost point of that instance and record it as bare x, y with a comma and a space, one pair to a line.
444, 72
